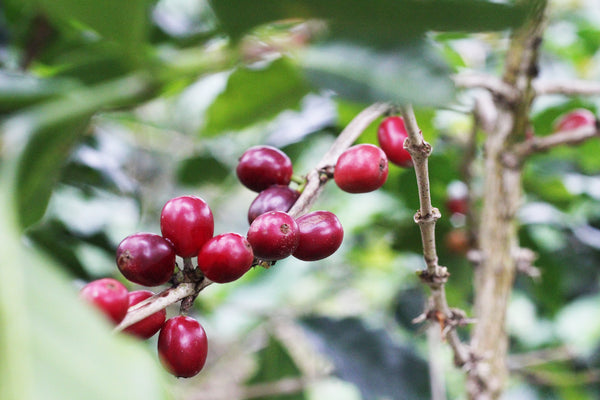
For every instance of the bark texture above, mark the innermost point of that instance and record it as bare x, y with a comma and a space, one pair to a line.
497, 233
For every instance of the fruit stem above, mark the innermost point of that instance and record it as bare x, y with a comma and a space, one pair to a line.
188, 266
300, 180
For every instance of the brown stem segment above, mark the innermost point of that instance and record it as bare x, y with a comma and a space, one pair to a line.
434, 276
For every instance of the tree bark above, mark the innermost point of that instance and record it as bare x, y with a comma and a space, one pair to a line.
498, 240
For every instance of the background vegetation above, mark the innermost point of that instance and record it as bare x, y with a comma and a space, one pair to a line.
111, 108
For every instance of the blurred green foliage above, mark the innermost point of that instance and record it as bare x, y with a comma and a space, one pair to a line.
111, 108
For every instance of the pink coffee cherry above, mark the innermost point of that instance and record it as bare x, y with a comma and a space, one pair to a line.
575, 119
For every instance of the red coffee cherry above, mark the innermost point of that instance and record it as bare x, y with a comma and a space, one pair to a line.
457, 205
146, 259
263, 166
273, 235
321, 234
225, 257
147, 327
109, 296
182, 346
188, 223
275, 198
575, 119
391, 136
360, 169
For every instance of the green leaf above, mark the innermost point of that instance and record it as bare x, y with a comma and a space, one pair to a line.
275, 363
370, 359
18, 89
124, 22
202, 168
53, 346
41, 164
48, 131
253, 95
380, 22
412, 73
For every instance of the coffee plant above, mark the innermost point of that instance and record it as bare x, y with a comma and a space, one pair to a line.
299, 200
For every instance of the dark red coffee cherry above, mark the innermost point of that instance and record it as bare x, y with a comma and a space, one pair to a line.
360, 169
391, 135
147, 327
146, 258
188, 223
457, 205
182, 346
275, 198
321, 234
109, 296
575, 119
225, 257
263, 166
273, 235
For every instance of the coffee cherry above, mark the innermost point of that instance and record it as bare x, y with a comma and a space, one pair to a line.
575, 119
109, 296
457, 205
360, 169
182, 346
275, 198
188, 223
147, 327
391, 136
321, 234
146, 259
273, 235
263, 166
457, 241
225, 257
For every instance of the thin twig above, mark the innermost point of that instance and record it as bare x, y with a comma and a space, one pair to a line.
573, 87
435, 276
543, 143
493, 84
539, 357
159, 301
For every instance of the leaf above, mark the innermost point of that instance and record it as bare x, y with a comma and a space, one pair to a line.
18, 89
275, 363
412, 73
40, 167
124, 22
53, 346
49, 130
370, 359
381, 22
202, 168
253, 95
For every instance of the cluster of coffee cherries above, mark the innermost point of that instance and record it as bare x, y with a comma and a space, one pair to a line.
187, 231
